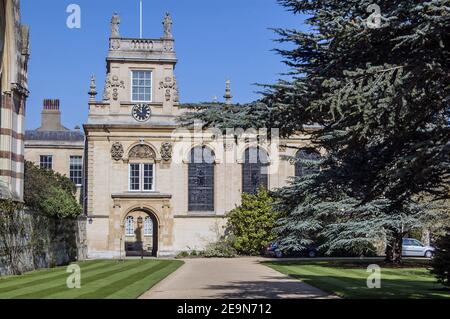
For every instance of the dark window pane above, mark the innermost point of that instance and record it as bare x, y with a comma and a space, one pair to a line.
255, 170
304, 159
201, 180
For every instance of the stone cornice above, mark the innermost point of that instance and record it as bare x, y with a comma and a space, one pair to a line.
141, 195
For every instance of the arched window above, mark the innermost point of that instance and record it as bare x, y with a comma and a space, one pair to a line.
148, 226
304, 159
201, 180
255, 170
129, 226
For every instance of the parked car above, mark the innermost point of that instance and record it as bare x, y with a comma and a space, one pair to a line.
273, 250
413, 248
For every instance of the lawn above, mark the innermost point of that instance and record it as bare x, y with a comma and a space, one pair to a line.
348, 279
100, 279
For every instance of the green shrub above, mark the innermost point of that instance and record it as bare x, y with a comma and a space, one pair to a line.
183, 254
441, 261
251, 224
221, 249
60, 204
50, 193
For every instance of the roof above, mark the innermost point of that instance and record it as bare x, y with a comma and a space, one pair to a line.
69, 136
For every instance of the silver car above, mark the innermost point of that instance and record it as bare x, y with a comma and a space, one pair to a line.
414, 248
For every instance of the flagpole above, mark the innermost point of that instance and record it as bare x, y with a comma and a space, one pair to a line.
141, 19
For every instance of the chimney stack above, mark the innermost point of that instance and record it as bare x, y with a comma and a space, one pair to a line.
51, 116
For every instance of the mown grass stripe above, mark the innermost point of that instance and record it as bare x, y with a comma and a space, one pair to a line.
60, 285
105, 291
38, 279
41, 273
88, 286
352, 282
139, 287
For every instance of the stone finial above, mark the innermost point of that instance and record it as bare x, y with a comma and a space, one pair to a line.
92, 90
167, 23
115, 22
228, 95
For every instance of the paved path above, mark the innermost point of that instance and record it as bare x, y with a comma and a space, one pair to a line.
229, 278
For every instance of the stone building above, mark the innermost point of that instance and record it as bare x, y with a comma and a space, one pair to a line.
155, 188
54, 146
14, 55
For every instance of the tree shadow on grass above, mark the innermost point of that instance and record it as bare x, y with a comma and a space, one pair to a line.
356, 288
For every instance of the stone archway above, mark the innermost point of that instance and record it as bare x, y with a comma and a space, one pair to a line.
141, 233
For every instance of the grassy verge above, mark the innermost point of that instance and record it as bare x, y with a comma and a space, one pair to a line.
100, 279
348, 279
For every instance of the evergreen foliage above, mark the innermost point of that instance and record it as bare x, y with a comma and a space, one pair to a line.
441, 260
251, 224
380, 97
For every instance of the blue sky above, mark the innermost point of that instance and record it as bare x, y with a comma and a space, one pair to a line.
215, 40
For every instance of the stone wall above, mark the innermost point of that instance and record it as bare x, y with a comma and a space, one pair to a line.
43, 242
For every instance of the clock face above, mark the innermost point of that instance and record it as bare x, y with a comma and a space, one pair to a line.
141, 112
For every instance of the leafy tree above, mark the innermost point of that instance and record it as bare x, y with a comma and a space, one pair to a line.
60, 204
380, 100
251, 224
50, 192
441, 261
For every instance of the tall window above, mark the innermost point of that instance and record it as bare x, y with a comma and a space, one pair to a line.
141, 90
201, 180
129, 226
305, 160
255, 170
46, 161
148, 226
141, 177
76, 170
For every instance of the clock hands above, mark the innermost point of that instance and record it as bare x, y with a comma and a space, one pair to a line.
141, 112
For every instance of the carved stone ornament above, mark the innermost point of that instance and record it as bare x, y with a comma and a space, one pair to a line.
168, 46
166, 151
115, 23
167, 23
228, 146
168, 85
115, 44
112, 83
142, 151
117, 151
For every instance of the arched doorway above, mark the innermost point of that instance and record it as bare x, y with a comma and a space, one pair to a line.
141, 234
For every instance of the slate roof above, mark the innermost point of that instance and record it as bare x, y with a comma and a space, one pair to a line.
67, 136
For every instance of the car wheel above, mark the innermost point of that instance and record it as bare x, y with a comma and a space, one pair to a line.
429, 254
312, 254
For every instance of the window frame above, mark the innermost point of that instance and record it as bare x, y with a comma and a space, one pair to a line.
131, 85
141, 178
80, 170
211, 165
148, 234
298, 167
127, 234
260, 165
51, 161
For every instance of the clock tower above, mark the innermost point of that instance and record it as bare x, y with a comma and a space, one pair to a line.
140, 85
129, 188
